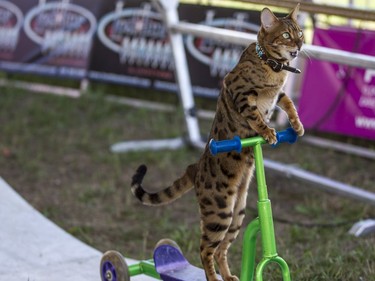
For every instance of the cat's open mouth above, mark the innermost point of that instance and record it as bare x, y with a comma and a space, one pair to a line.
294, 54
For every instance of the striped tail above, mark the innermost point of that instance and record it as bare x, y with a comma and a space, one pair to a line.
167, 195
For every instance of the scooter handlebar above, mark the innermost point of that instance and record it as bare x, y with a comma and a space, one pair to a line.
235, 144
225, 145
288, 135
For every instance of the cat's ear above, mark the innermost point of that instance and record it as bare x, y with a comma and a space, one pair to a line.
293, 14
268, 19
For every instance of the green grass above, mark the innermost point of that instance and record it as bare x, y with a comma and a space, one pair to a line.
60, 162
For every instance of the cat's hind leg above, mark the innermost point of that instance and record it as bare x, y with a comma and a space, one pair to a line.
207, 253
234, 229
216, 218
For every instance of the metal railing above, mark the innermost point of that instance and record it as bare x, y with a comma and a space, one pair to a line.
177, 28
243, 39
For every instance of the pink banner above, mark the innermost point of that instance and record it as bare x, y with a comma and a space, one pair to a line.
337, 98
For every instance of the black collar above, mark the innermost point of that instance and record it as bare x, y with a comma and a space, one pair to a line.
274, 64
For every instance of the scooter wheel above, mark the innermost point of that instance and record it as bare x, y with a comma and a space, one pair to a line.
113, 267
170, 242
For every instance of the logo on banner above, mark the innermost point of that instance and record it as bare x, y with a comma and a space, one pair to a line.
220, 56
364, 80
10, 23
138, 35
367, 100
62, 29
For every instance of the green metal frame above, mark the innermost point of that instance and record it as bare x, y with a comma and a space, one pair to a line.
262, 224
146, 267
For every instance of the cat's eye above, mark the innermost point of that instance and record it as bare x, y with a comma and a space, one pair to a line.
300, 34
286, 35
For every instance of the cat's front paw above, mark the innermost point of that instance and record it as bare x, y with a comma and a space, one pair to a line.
269, 135
232, 278
298, 127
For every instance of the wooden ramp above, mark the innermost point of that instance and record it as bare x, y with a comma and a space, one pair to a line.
32, 248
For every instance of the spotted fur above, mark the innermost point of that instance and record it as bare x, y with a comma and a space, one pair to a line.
248, 97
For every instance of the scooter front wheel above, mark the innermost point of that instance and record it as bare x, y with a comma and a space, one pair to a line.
113, 267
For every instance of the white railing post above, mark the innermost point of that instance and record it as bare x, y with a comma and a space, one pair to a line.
169, 9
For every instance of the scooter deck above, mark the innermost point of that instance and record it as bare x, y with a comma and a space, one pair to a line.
171, 264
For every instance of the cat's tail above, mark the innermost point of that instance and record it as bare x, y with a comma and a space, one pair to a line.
167, 195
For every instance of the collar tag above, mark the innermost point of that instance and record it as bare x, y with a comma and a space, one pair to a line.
272, 63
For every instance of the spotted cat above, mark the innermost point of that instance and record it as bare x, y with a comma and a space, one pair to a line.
245, 105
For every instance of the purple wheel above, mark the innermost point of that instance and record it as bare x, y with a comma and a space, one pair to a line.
167, 241
113, 267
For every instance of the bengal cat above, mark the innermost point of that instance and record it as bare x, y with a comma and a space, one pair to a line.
244, 107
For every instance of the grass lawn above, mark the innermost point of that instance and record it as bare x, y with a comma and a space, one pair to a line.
55, 152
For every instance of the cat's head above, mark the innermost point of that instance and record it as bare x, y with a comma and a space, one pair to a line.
281, 38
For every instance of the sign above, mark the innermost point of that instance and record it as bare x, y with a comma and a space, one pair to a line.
117, 41
11, 20
133, 41
337, 98
55, 38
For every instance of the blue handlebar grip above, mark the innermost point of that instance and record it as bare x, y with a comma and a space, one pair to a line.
288, 135
225, 145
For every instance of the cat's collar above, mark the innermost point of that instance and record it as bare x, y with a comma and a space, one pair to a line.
274, 64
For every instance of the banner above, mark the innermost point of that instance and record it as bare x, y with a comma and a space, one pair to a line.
117, 41
55, 38
337, 98
133, 40
132, 47
11, 20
